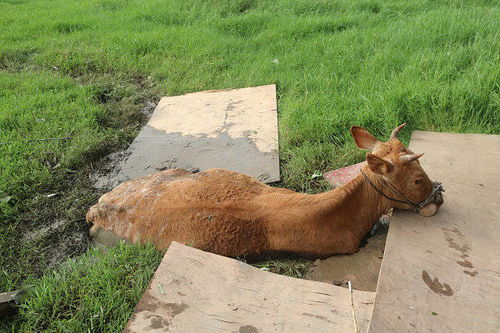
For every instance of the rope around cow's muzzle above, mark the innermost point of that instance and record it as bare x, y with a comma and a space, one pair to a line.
436, 195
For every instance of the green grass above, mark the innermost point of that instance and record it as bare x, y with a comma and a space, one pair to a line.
296, 268
85, 68
94, 293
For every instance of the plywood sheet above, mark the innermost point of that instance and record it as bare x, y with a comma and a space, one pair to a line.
231, 129
196, 291
442, 273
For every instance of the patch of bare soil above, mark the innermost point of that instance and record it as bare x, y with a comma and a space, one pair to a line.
60, 238
55, 229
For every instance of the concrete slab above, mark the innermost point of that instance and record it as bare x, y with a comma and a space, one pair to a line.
196, 291
442, 273
231, 129
361, 268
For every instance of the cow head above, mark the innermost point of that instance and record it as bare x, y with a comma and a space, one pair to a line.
397, 173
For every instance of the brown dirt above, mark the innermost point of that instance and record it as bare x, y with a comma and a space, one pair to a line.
362, 268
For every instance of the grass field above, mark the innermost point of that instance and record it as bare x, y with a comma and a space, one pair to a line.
84, 69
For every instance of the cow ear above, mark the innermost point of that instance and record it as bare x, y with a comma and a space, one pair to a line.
363, 138
379, 165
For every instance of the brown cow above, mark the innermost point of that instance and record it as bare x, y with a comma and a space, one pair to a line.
232, 214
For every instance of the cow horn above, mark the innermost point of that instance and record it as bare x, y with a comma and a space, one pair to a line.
394, 133
410, 157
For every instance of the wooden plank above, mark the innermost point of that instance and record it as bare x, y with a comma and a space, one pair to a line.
196, 291
232, 129
442, 274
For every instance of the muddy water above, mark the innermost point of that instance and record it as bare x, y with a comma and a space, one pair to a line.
362, 268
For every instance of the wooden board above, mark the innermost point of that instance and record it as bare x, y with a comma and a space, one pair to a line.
442, 273
231, 129
195, 291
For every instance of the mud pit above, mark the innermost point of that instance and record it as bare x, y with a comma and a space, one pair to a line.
236, 130
361, 268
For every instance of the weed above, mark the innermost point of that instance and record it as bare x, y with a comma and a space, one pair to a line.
294, 268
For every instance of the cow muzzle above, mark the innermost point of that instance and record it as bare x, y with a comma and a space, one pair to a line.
430, 206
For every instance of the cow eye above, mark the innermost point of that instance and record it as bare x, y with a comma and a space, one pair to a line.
419, 181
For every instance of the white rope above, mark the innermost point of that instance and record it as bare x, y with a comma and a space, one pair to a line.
352, 305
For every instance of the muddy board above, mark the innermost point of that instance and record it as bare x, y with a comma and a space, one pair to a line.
442, 273
231, 129
196, 291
